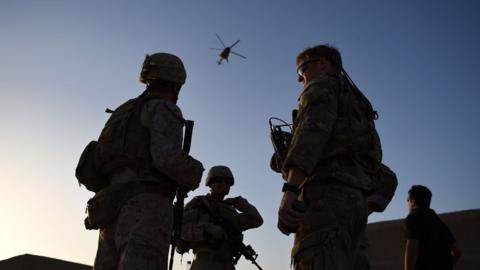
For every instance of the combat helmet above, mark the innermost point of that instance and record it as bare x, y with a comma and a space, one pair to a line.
219, 172
163, 66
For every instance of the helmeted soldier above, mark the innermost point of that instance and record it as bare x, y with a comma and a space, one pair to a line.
140, 151
209, 221
333, 155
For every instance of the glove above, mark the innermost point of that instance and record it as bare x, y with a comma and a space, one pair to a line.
239, 203
191, 179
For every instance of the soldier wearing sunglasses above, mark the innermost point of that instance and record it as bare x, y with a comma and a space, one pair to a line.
334, 154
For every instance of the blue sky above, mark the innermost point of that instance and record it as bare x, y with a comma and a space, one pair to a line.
63, 62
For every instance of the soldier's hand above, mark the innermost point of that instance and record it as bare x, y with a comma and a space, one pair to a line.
182, 246
238, 202
289, 219
191, 180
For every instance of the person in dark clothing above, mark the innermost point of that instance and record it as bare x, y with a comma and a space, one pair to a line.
430, 243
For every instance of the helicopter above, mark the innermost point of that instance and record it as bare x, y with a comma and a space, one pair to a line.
226, 51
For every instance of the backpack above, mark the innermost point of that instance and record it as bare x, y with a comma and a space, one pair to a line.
122, 142
122, 127
87, 173
383, 188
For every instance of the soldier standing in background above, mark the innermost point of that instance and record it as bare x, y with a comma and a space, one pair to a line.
430, 243
334, 154
211, 222
140, 151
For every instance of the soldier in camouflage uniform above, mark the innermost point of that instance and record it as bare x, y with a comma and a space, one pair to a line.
152, 161
201, 231
383, 189
334, 154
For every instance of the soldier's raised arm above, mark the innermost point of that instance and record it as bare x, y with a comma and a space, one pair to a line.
249, 217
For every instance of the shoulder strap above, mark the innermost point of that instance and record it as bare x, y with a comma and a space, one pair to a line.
175, 114
144, 97
370, 112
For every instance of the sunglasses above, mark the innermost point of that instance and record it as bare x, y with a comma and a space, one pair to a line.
303, 66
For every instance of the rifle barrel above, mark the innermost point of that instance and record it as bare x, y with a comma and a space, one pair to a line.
256, 264
181, 195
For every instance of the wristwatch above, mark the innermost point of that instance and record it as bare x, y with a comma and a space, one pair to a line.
290, 187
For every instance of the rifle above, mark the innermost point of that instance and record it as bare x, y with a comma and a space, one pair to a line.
248, 252
234, 238
180, 196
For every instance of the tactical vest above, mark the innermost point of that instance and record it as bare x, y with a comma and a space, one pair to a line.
354, 135
124, 141
201, 209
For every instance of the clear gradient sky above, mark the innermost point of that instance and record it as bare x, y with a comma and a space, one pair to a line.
63, 62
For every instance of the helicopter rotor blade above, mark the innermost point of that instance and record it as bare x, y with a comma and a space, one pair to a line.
220, 40
217, 49
235, 43
237, 54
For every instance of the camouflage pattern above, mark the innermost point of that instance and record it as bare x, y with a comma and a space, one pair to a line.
361, 260
165, 121
163, 66
332, 139
334, 224
198, 225
140, 236
383, 189
338, 148
124, 141
219, 172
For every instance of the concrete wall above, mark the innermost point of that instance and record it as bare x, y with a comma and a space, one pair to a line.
387, 242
